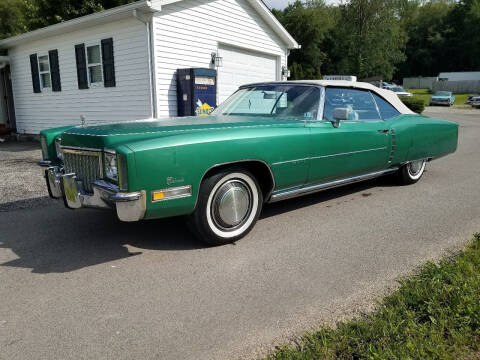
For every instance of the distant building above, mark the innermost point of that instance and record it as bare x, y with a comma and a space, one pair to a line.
459, 76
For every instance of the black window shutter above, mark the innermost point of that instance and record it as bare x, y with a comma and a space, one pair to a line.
108, 63
81, 66
55, 70
35, 73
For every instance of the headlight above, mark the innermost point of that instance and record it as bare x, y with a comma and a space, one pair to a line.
111, 166
58, 149
43, 142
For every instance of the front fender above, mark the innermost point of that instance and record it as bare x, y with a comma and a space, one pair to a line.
184, 160
50, 135
167, 167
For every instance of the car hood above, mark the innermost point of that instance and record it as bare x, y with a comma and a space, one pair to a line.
437, 97
116, 134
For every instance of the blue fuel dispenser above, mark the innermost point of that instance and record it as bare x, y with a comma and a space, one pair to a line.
196, 91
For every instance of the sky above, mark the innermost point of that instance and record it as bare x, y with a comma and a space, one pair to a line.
277, 4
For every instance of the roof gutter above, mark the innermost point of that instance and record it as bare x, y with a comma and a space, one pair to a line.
117, 13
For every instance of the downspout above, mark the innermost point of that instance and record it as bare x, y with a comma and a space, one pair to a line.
151, 62
4, 61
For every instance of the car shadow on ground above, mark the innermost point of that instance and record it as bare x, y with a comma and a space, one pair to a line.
52, 239
26, 204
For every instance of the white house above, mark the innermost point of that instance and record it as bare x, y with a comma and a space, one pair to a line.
120, 64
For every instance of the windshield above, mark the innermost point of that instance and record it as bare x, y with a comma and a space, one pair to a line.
398, 89
275, 101
443, 93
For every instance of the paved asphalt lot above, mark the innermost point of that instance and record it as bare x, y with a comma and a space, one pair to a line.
81, 285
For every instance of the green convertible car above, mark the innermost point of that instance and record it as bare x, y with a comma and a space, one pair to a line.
268, 142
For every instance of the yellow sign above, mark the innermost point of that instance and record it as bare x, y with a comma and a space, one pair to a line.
203, 109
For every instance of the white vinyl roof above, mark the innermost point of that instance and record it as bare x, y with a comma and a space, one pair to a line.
125, 11
388, 95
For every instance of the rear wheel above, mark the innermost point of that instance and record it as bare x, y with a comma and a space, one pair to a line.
411, 172
229, 204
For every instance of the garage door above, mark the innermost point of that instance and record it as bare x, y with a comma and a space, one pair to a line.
242, 67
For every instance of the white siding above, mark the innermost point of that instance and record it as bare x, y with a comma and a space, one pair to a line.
129, 100
187, 32
242, 67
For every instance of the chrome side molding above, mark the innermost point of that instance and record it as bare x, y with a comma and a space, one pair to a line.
310, 189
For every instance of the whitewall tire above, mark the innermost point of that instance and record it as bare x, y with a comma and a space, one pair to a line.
229, 204
411, 172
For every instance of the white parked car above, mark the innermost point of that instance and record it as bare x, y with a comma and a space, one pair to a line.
400, 91
475, 102
388, 86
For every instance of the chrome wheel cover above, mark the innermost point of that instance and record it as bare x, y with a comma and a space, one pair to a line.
232, 205
416, 168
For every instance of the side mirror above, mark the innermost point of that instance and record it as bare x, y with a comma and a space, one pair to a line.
340, 114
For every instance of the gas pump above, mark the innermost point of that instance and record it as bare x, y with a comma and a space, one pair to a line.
196, 91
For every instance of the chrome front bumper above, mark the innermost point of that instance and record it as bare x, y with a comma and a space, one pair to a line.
129, 206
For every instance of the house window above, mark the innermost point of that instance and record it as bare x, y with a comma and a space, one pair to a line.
94, 63
44, 71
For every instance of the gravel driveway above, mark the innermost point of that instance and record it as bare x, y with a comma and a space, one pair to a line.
21, 180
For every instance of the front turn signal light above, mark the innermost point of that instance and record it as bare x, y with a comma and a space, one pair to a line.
172, 193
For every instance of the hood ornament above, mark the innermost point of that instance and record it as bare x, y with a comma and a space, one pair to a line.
82, 120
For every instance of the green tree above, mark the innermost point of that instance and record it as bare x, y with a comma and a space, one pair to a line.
369, 39
309, 23
48, 12
425, 26
12, 18
18, 16
462, 37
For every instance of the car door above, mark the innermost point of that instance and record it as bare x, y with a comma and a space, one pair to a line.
359, 145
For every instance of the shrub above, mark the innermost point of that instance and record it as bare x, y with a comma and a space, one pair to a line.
414, 103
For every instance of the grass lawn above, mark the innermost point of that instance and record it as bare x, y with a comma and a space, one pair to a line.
435, 314
425, 95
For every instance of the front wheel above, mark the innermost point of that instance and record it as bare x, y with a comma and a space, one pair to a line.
229, 204
411, 172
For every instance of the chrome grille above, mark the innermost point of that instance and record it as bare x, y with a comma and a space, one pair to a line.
87, 165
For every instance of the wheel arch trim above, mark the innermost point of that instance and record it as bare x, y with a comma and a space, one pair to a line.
240, 162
